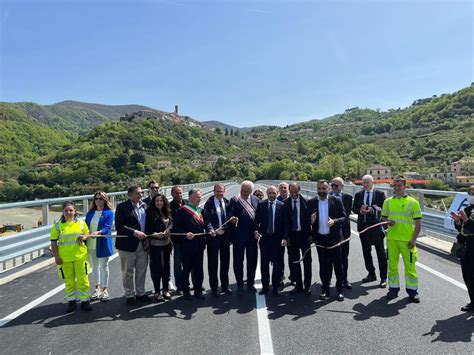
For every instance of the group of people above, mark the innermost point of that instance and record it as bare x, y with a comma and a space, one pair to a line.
150, 230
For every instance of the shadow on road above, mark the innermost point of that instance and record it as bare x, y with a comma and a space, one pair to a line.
455, 329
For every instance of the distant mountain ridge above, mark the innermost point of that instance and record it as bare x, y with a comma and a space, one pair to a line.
221, 125
110, 111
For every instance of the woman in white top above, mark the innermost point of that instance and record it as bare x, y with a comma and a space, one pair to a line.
100, 219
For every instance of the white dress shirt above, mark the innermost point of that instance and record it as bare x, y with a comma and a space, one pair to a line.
323, 216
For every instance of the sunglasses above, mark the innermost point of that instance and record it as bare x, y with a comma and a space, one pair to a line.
154, 188
335, 185
98, 199
259, 195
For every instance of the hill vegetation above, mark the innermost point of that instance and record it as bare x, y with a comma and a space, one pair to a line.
62, 150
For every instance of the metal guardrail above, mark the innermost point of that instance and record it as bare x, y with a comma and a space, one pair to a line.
433, 220
26, 244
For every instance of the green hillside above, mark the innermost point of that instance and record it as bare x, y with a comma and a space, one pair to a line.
423, 137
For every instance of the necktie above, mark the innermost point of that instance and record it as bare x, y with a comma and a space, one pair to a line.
295, 217
223, 216
367, 201
270, 219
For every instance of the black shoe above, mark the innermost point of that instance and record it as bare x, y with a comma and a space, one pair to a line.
369, 278
214, 293
263, 291
340, 297
86, 306
292, 283
324, 295
179, 292
71, 307
307, 291
297, 289
347, 285
251, 289
383, 283
187, 295
131, 301
415, 299
467, 308
276, 293
228, 292
143, 298
392, 295
198, 295
240, 291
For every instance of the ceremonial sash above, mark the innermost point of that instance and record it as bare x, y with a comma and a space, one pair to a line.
196, 214
248, 207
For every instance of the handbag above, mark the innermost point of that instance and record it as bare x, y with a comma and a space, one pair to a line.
458, 250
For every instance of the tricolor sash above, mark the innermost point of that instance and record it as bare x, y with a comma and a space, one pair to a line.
249, 209
196, 214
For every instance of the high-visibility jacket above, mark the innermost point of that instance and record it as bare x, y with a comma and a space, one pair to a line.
403, 211
66, 233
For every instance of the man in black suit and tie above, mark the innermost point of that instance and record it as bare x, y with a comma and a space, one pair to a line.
243, 207
270, 230
336, 190
218, 240
327, 217
190, 222
130, 220
299, 238
368, 206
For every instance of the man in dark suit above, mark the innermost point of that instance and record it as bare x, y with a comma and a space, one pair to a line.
189, 221
327, 217
130, 220
270, 230
336, 190
368, 206
153, 190
283, 195
177, 202
299, 238
218, 240
243, 207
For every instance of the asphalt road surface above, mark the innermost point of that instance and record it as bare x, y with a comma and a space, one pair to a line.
366, 322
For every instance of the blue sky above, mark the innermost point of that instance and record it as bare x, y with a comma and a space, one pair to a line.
244, 63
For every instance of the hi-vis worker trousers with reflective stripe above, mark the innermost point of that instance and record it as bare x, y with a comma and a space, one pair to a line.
409, 256
74, 274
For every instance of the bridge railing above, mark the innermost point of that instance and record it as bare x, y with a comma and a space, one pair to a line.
24, 246
433, 218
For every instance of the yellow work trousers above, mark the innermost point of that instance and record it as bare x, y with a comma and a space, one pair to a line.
74, 274
409, 257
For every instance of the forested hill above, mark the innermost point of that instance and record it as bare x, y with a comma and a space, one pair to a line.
39, 158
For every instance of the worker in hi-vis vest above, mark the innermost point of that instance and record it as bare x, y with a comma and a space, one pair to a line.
404, 214
70, 254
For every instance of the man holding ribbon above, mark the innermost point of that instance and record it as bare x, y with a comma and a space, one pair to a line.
215, 214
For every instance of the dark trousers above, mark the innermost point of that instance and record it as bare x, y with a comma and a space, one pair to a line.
345, 259
240, 249
178, 267
298, 246
329, 259
467, 267
192, 258
270, 252
218, 246
381, 255
160, 266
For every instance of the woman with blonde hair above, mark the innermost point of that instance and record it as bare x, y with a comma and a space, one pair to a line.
100, 219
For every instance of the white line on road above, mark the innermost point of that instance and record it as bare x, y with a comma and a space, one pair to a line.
36, 302
434, 272
264, 333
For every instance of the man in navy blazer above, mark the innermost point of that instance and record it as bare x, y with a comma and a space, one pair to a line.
270, 230
368, 206
327, 217
215, 214
243, 207
130, 220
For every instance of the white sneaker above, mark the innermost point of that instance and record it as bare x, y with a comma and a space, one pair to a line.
171, 286
104, 296
96, 294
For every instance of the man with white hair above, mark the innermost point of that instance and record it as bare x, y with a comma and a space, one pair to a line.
242, 207
368, 206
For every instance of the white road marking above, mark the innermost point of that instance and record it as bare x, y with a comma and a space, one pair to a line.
434, 272
36, 302
264, 333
